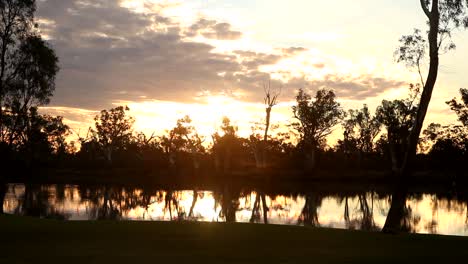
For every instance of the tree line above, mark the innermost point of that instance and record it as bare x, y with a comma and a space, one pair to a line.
370, 141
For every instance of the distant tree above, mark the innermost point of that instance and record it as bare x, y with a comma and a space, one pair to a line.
113, 130
176, 140
40, 136
228, 148
145, 149
28, 66
360, 130
448, 139
398, 117
270, 100
183, 138
461, 108
443, 16
53, 129
448, 144
260, 146
317, 119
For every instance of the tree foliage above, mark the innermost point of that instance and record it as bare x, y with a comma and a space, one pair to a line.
398, 117
183, 138
318, 117
361, 129
461, 107
28, 66
113, 127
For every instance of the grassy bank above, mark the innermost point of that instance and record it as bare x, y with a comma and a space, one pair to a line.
28, 240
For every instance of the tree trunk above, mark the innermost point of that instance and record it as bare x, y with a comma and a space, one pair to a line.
227, 160
263, 159
394, 158
359, 161
217, 161
267, 124
258, 155
311, 157
426, 95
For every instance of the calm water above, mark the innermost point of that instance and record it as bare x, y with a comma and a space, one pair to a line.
423, 213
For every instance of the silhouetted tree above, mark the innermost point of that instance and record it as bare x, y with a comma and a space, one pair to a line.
113, 131
147, 149
447, 145
44, 135
259, 147
228, 149
398, 116
28, 67
183, 138
317, 119
443, 16
437, 136
461, 108
360, 131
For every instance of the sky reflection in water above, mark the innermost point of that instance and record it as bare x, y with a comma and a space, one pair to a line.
424, 213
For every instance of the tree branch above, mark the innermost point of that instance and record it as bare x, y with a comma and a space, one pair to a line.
425, 9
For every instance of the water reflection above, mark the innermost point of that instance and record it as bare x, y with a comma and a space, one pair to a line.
366, 210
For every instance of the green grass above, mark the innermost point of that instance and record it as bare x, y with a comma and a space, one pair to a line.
29, 240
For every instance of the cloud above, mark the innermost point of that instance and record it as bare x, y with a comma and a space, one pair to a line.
293, 50
211, 29
347, 87
252, 60
109, 53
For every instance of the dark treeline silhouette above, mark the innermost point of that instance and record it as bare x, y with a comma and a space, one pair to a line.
370, 143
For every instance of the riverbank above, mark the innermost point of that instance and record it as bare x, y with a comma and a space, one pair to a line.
27, 240
267, 178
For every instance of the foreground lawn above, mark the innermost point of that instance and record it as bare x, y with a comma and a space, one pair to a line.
28, 240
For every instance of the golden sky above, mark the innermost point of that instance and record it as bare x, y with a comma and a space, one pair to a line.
209, 59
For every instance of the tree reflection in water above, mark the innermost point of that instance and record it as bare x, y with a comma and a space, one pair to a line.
229, 201
309, 215
400, 217
40, 201
195, 196
396, 212
260, 198
365, 212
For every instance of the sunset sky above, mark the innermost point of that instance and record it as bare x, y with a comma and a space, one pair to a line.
209, 59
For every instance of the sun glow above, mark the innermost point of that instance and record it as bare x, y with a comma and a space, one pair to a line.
207, 114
